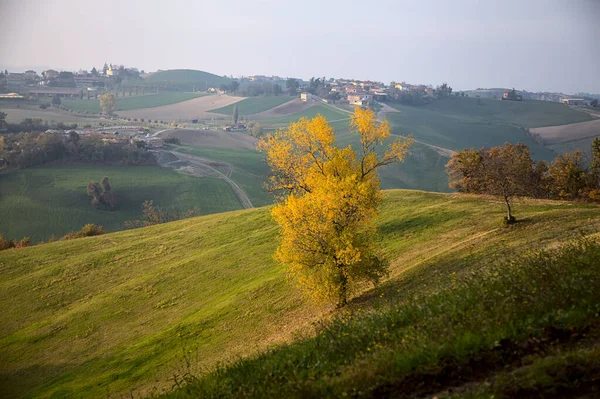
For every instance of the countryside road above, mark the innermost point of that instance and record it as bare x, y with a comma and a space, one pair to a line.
204, 163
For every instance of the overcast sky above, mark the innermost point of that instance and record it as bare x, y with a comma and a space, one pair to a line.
535, 45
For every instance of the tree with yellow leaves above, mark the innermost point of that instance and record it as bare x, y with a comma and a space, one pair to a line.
108, 103
327, 201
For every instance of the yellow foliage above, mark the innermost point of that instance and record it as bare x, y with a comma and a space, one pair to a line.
328, 199
108, 103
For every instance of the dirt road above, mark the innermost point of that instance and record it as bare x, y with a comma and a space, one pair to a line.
198, 166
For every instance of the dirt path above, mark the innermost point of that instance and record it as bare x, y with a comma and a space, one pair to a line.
205, 167
386, 109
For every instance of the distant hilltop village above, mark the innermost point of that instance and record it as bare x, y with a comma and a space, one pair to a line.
119, 79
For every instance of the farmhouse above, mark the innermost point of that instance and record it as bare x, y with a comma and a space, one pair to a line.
573, 101
359, 99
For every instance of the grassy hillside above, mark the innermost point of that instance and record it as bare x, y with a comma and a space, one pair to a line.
254, 105
186, 79
122, 312
526, 113
38, 202
134, 102
462, 129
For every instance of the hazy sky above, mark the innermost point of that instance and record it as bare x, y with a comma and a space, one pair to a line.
545, 45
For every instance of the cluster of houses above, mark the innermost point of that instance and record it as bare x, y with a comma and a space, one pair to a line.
50, 83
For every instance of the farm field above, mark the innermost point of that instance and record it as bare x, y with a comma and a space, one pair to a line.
185, 79
570, 132
50, 115
522, 113
285, 109
249, 170
254, 105
457, 126
52, 200
133, 102
213, 139
330, 113
121, 313
185, 110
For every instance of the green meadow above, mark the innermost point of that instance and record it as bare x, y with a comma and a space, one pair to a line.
52, 200
254, 105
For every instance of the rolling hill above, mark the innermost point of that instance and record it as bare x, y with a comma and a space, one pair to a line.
124, 312
186, 79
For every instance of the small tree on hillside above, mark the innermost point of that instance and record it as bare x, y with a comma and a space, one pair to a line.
567, 176
108, 103
235, 114
56, 100
94, 191
328, 199
506, 172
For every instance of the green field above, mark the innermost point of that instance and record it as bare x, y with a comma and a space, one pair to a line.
133, 102
186, 79
461, 123
249, 170
51, 199
254, 105
330, 113
523, 113
119, 314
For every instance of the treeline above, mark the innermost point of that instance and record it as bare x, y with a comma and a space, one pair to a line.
22, 150
509, 172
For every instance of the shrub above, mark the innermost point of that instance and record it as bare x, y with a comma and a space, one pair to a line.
88, 230
43, 106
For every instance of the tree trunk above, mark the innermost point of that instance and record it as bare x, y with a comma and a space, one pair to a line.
509, 216
343, 298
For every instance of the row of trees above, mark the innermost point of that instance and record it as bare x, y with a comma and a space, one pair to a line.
509, 171
22, 150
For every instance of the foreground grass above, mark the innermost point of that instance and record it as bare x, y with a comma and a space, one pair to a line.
472, 324
133, 102
52, 199
254, 105
121, 312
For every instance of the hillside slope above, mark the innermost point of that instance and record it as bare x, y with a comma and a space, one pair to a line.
186, 79
120, 313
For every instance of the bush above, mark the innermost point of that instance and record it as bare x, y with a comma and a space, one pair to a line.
88, 230
173, 140
43, 106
